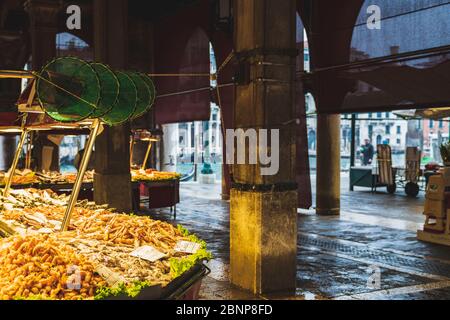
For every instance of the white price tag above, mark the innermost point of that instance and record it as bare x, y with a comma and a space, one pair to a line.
147, 253
187, 247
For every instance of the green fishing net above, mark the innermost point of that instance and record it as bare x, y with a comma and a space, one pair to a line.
151, 86
125, 107
109, 89
68, 89
143, 94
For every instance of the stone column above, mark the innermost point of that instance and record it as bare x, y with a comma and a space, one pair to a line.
13, 56
328, 182
43, 16
112, 181
43, 29
263, 212
189, 139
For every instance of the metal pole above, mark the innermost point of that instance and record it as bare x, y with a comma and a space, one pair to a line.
448, 129
80, 175
352, 146
147, 154
16, 74
28, 154
131, 150
12, 170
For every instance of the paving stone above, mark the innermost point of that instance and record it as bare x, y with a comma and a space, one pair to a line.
333, 254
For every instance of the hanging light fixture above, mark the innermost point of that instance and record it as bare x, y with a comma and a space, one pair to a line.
224, 15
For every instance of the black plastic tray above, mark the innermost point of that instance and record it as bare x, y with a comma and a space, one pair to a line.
175, 290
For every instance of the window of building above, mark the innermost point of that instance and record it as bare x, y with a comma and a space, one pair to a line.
388, 129
441, 124
379, 115
399, 141
379, 139
431, 124
399, 130
387, 115
370, 115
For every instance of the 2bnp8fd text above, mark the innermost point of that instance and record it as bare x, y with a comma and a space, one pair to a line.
244, 309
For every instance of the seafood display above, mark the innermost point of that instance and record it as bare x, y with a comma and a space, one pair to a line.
112, 253
38, 267
21, 177
28, 177
61, 178
153, 175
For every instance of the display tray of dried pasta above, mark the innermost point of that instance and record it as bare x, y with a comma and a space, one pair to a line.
102, 255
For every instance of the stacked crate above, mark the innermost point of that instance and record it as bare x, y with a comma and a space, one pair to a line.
437, 204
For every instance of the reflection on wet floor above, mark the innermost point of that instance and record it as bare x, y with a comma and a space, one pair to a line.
338, 257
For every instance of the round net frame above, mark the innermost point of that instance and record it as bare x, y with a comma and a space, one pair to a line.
143, 92
68, 89
125, 106
109, 89
151, 86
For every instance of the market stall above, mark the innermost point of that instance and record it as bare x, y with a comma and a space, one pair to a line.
161, 188
27, 178
413, 176
117, 254
57, 247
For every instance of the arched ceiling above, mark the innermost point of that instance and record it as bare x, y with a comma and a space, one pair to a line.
329, 25
151, 10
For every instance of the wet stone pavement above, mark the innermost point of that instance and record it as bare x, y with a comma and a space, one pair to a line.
363, 254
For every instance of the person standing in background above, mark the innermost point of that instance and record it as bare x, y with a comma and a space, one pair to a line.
367, 152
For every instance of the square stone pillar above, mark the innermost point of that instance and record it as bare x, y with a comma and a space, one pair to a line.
263, 212
112, 181
263, 240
